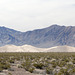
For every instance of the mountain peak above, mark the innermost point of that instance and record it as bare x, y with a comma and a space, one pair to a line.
55, 25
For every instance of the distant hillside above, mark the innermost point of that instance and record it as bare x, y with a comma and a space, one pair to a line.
54, 35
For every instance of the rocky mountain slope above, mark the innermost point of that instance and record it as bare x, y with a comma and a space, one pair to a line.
54, 35
28, 48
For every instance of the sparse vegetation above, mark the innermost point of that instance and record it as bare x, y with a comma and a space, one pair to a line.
52, 63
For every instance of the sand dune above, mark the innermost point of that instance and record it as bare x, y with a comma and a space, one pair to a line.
61, 49
24, 48
29, 48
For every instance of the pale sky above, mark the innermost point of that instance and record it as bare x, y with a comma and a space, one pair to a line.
24, 15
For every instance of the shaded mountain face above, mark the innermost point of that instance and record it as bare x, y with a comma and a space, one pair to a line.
47, 37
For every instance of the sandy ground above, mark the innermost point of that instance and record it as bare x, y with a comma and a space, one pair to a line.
17, 71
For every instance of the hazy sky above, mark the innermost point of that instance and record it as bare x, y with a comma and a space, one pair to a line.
24, 15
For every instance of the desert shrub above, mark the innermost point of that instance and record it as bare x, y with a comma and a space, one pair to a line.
49, 70
20, 66
73, 61
31, 70
72, 71
38, 65
26, 65
9, 74
11, 61
66, 60
7, 66
1, 69
64, 71
4, 66
59, 73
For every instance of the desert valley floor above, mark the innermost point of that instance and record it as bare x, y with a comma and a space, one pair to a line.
39, 63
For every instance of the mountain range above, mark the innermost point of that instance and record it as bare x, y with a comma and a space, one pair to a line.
54, 35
